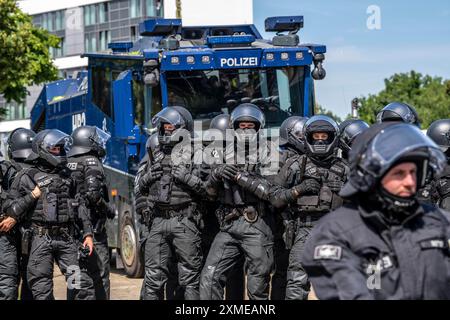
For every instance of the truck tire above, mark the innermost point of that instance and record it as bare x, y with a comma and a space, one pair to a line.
129, 248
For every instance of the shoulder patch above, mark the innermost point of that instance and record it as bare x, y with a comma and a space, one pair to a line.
91, 161
72, 165
327, 252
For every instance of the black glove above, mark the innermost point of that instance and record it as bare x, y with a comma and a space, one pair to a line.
225, 171
154, 174
181, 173
335, 185
309, 186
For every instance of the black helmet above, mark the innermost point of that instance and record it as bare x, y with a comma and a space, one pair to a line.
321, 123
86, 139
220, 122
439, 132
350, 129
399, 111
187, 116
46, 140
243, 113
291, 132
384, 145
19, 143
173, 116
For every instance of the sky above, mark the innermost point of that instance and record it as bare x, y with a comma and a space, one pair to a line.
409, 35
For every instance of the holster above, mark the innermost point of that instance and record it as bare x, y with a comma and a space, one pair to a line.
27, 235
290, 226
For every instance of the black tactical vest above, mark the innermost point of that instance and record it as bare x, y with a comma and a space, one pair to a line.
166, 192
53, 206
326, 200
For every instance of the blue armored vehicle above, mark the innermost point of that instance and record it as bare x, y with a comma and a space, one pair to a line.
208, 69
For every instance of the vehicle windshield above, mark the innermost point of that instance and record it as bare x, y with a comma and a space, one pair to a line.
279, 92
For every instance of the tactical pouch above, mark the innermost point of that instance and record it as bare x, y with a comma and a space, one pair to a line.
50, 206
165, 188
326, 196
26, 241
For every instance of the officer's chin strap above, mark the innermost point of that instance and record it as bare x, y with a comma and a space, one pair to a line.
395, 208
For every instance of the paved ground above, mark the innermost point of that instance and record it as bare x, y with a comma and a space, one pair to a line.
122, 287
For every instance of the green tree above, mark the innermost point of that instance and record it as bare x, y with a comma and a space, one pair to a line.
430, 96
24, 53
318, 109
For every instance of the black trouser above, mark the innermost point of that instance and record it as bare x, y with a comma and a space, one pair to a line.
98, 266
255, 242
279, 277
298, 286
63, 249
177, 236
9, 267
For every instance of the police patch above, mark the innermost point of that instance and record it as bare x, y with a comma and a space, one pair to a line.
327, 252
72, 165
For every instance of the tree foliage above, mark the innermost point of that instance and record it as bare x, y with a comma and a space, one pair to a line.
430, 96
24, 53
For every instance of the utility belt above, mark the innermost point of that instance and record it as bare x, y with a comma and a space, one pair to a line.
227, 214
182, 210
60, 230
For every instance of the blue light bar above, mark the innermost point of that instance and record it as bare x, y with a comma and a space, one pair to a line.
230, 40
120, 46
160, 27
279, 24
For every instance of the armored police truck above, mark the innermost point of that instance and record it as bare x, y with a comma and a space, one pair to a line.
208, 69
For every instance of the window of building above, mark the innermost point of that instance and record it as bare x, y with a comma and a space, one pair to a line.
44, 21
103, 40
59, 20
51, 21
92, 14
135, 8
153, 8
133, 33
14, 111
103, 12
93, 45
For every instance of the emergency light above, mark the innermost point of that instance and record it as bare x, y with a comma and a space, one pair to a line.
227, 41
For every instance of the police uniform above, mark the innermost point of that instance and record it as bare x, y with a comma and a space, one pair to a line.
306, 210
354, 254
90, 181
53, 223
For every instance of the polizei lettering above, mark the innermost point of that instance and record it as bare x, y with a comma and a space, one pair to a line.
239, 62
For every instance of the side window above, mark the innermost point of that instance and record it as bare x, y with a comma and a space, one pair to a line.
101, 89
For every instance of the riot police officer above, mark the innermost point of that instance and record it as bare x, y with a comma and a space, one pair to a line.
384, 244
245, 225
85, 160
173, 188
292, 143
53, 210
307, 187
12, 262
214, 141
399, 112
173, 290
349, 130
438, 190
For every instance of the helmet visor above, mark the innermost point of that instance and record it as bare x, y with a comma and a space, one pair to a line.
100, 137
394, 142
55, 139
168, 115
248, 113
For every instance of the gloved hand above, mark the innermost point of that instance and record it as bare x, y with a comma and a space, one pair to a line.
181, 173
154, 174
225, 171
335, 185
309, 186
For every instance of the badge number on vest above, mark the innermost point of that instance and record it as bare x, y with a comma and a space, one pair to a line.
72, 165
327, 252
